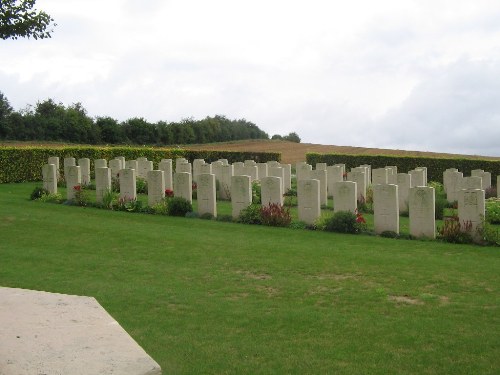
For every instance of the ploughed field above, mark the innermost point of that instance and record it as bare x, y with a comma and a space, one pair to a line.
205, 296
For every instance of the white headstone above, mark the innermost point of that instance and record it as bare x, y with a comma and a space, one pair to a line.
68, 162
446, 178
321, 166
334, 174
422, 212
385, 208
165, 165
49, 178
84, 165
345, 196
471, 208
73, 181
271, 191
252, 171
205, 169
102, 183
115, 165
100, 163
368, 171
156, 187
472, 182
143, 168
287, 176
239, 169
122, 161
241, 194
128, 184
262, 167
249, 163
183, 186
359, 177
404, 183
180, 161
320, 175
277, 172
485, 177
417, 177
206, 194
302, 170
308, 200
197, 163
184, 167
226, 175
133, 164
380, 176
55, 160
454, 182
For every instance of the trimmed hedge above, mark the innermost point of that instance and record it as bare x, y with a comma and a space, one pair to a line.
21, 164
435, 166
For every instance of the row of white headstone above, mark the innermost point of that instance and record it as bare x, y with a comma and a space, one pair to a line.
312, 189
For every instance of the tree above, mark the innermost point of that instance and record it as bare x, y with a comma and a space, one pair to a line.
18, 19
292, 137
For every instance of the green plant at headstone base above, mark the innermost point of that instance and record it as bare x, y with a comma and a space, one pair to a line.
81, 197
275, 215
178, 206
250, 215
129, 205
455, 232
493, 210
488, 234
115, 183
256, 192
490, 192
346, 222
109, 199
38, 192
141, 185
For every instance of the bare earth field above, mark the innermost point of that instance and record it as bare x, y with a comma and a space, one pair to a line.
290, 152
294, 152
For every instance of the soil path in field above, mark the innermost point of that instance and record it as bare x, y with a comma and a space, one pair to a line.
294, 152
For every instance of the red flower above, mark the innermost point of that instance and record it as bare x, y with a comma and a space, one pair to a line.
359, 217
77, 187
169, 193
194, 186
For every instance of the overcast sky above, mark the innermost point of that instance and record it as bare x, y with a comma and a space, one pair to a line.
415, 75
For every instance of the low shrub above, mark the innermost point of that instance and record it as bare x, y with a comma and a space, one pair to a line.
275, 215
206, 216
141, 185
178, 206
490, 192
345, 222
82, 197
38, 192
440, 204
256, 192
129, 205
160, 208
493, 210
389, 234
250, 215
224, 218
455, 232
109, 199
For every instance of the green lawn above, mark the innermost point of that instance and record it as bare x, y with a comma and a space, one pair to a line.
211, 297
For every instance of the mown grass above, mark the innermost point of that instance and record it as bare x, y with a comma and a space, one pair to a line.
211, 297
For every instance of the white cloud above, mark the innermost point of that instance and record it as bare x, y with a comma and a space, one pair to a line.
331, 71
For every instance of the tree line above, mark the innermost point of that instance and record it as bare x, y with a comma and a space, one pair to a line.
51, 121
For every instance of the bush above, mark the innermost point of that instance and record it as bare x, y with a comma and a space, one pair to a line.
491, 192
256, 192
455, 232
206, 216
250, 215
440, 204
160, 208
129, 205
344, 222
178, 206
38, 193
81, 196
224, 218
141, 185
275, 215
493, 210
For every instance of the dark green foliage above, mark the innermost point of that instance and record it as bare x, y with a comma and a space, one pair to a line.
206, 216
256, 192
275, 215
490, 192
38, 192
51, 121
455, 232
18, 19
250, 215
178, 206
342, 222
129, 205
25, 164
141, 185
224, 218
435, 166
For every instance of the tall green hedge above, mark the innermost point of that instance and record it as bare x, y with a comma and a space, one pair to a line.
20, 164
435, 166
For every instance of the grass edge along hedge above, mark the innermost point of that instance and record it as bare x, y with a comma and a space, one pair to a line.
435, 166
23, 164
